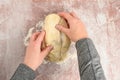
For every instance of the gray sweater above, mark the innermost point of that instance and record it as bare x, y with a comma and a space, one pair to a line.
88, 60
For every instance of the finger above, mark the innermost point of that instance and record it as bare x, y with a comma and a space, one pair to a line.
65, 15
40, 37
45, 51
62, 29
34, 36
74, 15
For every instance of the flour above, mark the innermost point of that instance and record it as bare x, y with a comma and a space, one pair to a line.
27, 38
37, 28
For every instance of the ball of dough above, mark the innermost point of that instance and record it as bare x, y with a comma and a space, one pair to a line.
57, 39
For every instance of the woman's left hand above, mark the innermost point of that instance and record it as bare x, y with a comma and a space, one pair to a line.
34, 55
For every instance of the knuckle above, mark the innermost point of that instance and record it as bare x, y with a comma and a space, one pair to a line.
75, 21
32, 37
36, 43
60, 27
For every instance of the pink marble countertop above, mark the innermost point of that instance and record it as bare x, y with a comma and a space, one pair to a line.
102, 20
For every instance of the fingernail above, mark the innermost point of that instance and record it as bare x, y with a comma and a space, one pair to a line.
57, 26
58, 13
51, 47
43, 31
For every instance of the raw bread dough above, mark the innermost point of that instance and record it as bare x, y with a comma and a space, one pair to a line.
57, 39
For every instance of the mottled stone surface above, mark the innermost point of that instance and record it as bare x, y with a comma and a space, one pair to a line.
102, 20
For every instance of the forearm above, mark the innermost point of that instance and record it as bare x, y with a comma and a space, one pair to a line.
89, 60
23, 72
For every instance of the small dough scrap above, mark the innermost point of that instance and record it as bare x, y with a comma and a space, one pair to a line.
57, 39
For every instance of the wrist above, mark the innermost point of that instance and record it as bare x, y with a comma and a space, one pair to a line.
81, 38
30, 66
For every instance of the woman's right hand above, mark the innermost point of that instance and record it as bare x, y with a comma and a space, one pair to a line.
76, 30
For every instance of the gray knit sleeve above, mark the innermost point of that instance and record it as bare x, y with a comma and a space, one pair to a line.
23, 72
89, 61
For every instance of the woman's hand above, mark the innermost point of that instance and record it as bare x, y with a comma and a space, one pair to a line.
76, 30
34, 55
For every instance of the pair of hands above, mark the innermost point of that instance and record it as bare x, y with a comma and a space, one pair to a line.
35, 56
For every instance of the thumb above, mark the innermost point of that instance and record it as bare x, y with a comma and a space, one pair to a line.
62, 29
45, 51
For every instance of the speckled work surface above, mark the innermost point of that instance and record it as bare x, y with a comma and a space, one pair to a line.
102, 20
